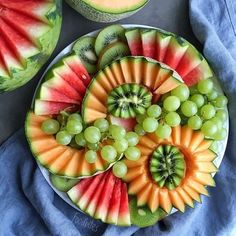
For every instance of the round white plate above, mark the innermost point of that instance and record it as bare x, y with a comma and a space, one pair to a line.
221, 147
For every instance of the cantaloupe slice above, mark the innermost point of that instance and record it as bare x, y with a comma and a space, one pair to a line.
58, 159
153, 75
199, 167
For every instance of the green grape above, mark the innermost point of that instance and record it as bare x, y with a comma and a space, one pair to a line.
154, 111
209, 128
221, 134
207, 111
221, 101
163, 131
189, 108
117, 132
102, 124
150, 124
217, 121
75, 116
74, 126
212, 95
221, 114
139, 130
205, 86
92, 134
163, 97
182, 92
80, 140
90, 156
132, 153
172, 119
193, 90
62, 119
109, 153
50, 126
120, 145
132, 139
63, 137
119, 169
198, 99
140, 118
171, 103
93, 146
195, 122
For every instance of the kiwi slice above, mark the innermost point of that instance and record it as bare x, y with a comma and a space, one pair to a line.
85, 49
112, 52
62, 183
108, 35
142, 216
128, 100
167, 166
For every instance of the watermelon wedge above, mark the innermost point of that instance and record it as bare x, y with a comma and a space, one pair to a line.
64, 87
29, 31
172, 50
105, 198
134, 41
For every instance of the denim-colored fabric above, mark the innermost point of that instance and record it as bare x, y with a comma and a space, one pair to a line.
28, 206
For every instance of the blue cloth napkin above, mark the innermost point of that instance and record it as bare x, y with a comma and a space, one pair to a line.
28, 206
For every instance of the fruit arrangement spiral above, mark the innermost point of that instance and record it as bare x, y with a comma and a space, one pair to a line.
128, 125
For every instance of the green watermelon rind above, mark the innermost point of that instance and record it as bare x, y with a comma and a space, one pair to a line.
101, 15
33, 64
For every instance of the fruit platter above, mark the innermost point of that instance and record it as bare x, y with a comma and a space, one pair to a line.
129, 124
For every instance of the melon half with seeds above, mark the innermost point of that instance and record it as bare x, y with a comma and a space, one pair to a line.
106, 10
29, 31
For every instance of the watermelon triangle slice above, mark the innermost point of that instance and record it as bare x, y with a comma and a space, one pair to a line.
64, 87
171, 50
105, 198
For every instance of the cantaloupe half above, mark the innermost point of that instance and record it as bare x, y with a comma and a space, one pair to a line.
199, 167
158, 78
106, 10
58, 159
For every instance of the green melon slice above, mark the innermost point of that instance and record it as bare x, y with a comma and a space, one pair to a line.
29, 33
105, 198
158, 78
172, 50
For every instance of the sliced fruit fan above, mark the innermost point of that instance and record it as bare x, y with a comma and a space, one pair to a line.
128, 124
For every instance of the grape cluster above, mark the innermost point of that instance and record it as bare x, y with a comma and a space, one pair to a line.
70, 130
200, 107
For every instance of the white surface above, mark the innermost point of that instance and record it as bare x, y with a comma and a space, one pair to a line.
45, 172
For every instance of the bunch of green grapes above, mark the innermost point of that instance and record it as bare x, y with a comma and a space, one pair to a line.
70, 130
200, 107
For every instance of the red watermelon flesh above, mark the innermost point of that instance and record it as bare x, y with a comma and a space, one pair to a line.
63, 87
50, 94
114, 206
77, 191
21, 37
88, 194
128, 124
149, 43
91, 208
105, 197
135, 42
77, 66
162, 42
124, 215
175, 51
51, 108
71, 78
